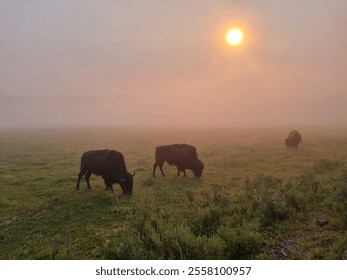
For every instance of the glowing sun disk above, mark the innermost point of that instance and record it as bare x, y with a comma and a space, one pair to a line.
234, 36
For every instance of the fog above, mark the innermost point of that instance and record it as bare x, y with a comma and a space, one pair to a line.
166, 63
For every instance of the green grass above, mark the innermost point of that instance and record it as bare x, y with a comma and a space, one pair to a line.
255, 200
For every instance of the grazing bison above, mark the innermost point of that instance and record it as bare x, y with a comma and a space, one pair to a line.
293, 139
182, 155
108, 164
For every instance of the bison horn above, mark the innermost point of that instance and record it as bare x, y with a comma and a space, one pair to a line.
133, 174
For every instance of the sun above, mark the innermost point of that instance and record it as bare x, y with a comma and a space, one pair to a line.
234, 36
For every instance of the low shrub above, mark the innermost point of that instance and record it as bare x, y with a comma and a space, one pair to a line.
242, 242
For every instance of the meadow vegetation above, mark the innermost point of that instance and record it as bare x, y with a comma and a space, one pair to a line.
256, 198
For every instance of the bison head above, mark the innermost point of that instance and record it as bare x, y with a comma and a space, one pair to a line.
198, 168
287, 142
126, 183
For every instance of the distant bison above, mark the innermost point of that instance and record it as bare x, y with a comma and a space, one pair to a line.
108, 164
184, 156
293, 139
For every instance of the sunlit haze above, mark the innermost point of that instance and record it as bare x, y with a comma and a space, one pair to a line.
167, 63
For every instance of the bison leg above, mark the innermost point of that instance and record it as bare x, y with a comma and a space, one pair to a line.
80, 175
160, 164
161, 168
106, 185
179, 172
155, 165
87, 176
123, 189
184, 172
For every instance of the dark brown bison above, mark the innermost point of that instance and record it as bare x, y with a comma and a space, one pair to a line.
108, 164
293, 139
184, 156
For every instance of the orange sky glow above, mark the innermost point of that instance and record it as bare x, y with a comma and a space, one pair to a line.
166, 63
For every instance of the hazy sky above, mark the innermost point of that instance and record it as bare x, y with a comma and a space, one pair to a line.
165, 62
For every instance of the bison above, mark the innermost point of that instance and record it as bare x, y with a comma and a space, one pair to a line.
293, 139
184, 156
110, 165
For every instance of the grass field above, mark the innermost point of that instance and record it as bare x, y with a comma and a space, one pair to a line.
256, 198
